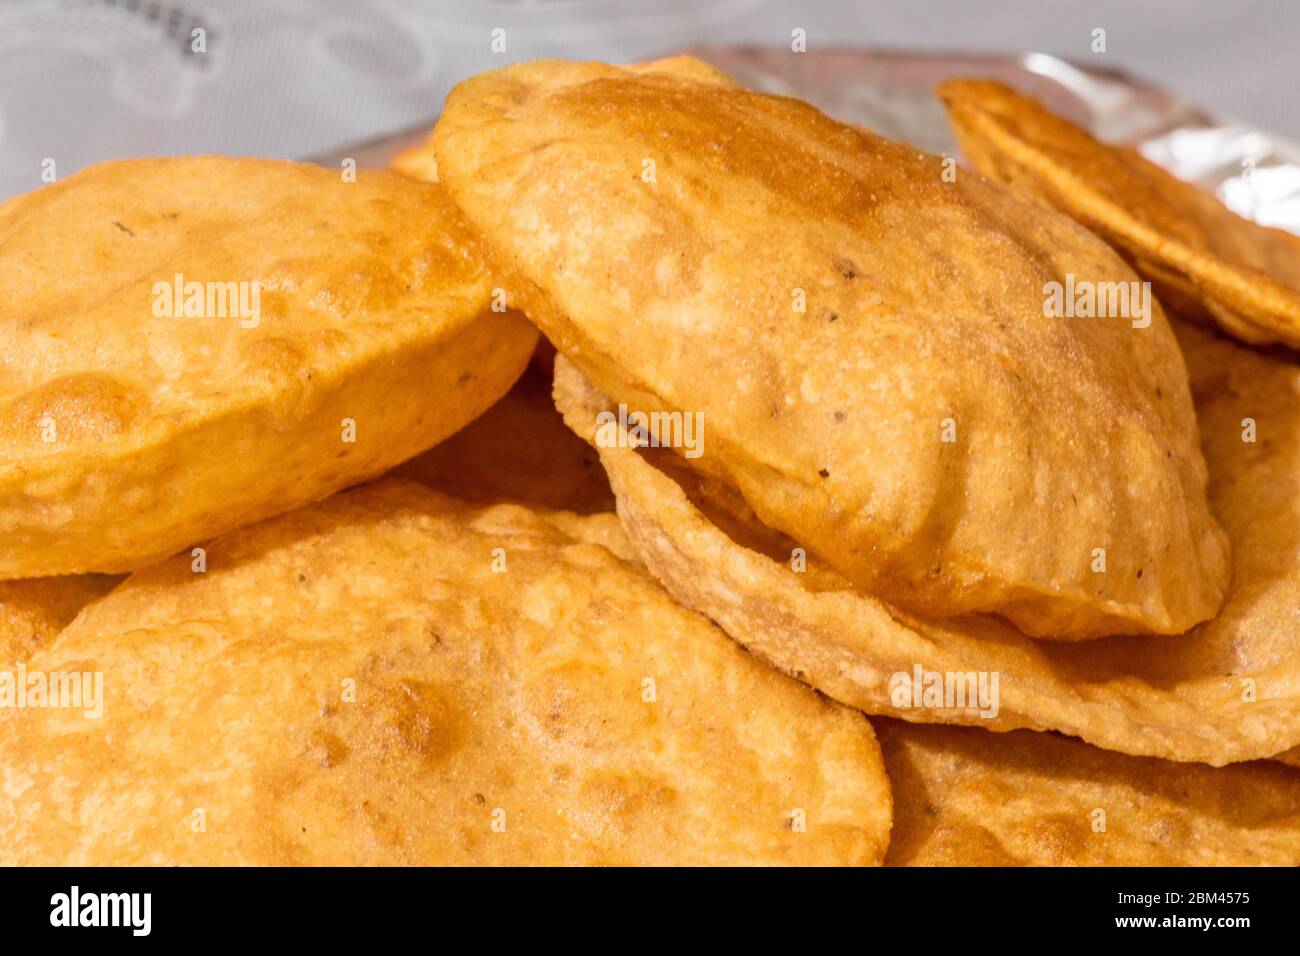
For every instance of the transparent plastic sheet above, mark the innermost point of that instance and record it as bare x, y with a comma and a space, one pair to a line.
1255, 173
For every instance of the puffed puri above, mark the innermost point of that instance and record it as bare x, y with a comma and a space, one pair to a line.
193, 344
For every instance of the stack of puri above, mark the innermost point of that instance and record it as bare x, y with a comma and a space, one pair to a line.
908, 468
278, 671
376, 579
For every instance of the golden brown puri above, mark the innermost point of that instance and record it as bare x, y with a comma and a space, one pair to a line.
1228, 690
125, 436
521, 698
417, 161
964, 797
1198, 252
520, 451
836, 311
33, 611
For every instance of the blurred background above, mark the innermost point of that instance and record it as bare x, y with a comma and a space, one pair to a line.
88, 80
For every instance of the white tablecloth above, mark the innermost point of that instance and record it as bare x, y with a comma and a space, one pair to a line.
87, 80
